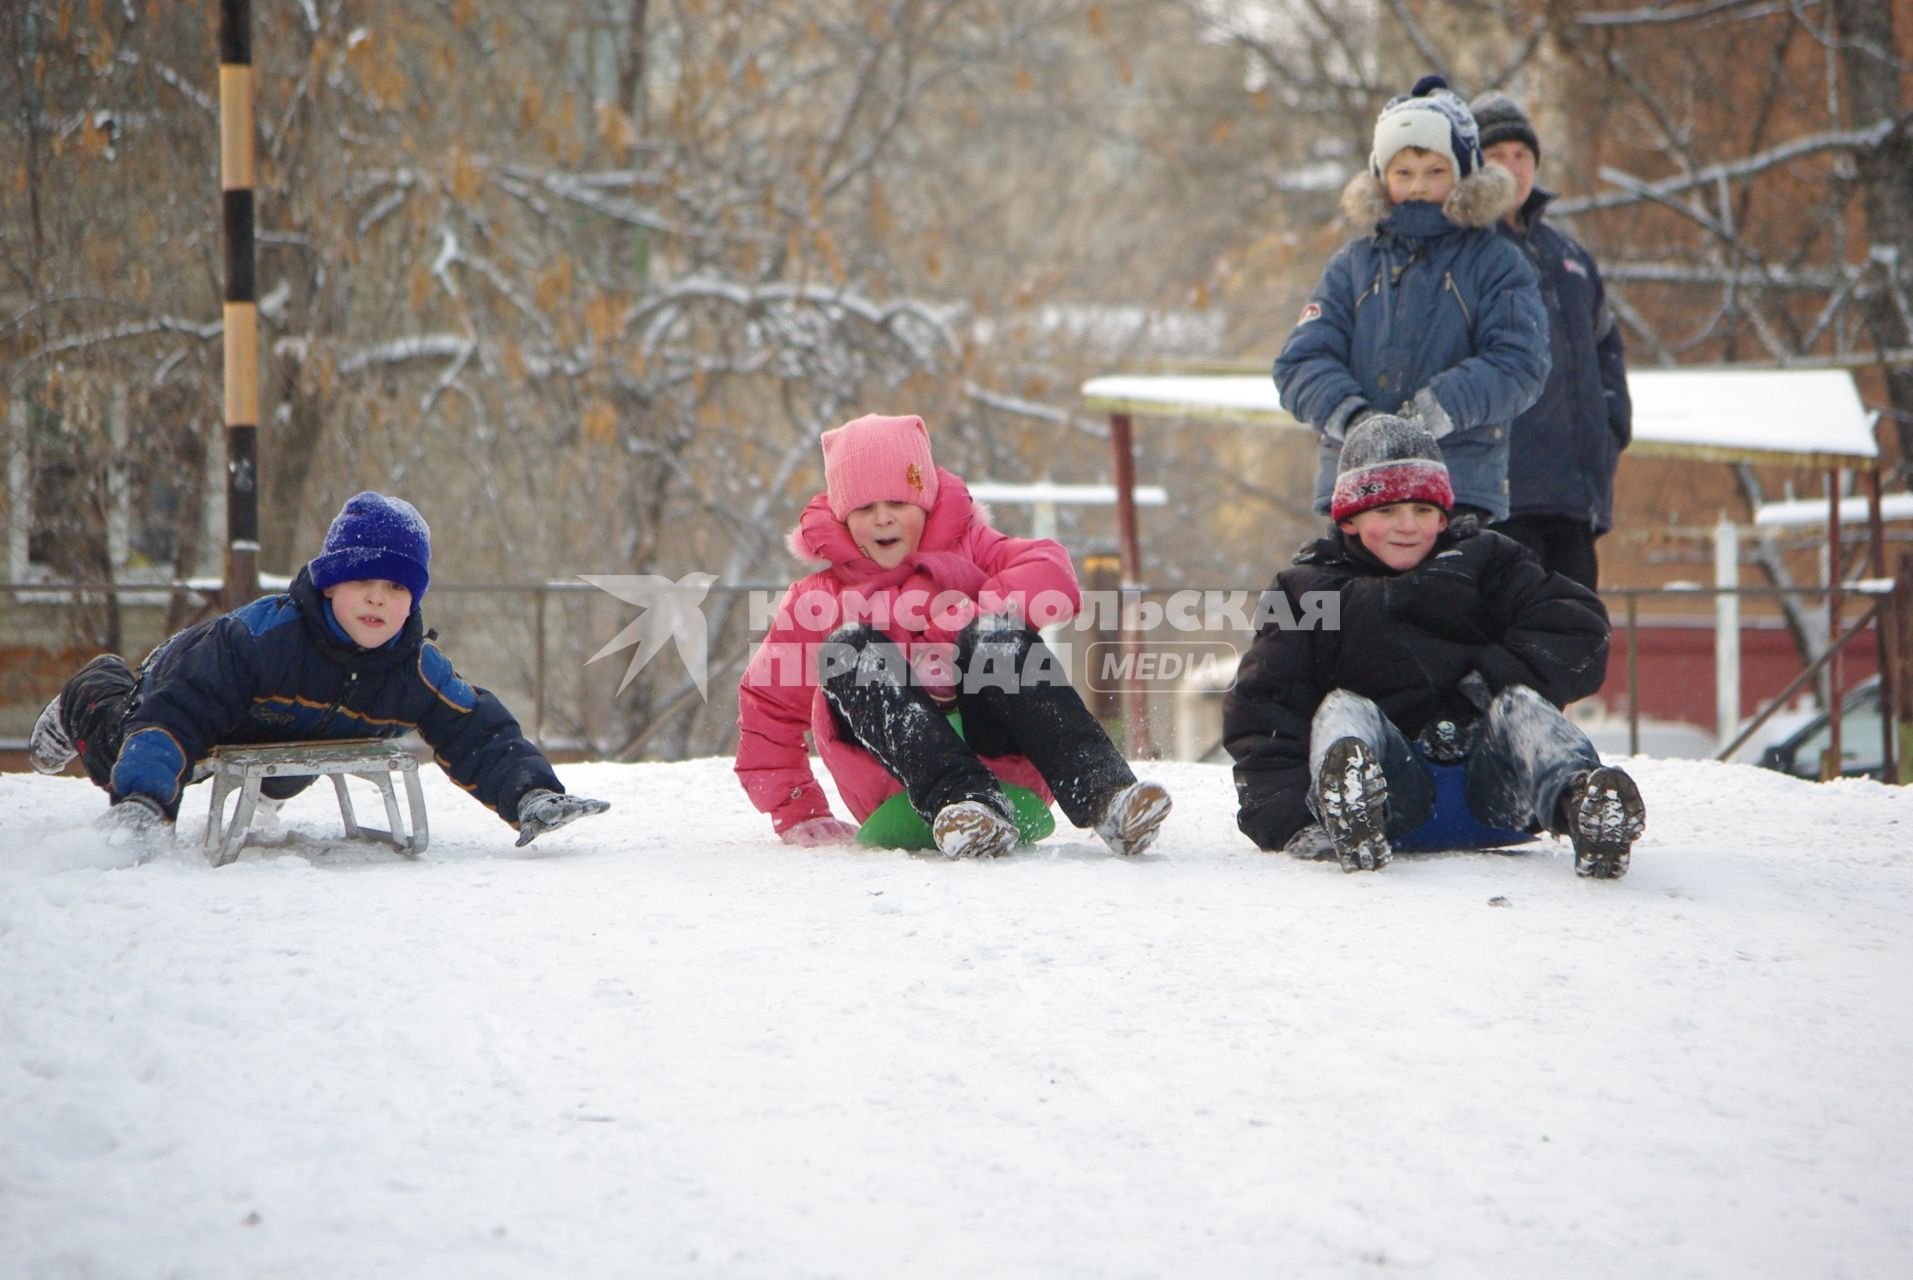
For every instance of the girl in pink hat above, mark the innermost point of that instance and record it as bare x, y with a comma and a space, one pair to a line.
923, 620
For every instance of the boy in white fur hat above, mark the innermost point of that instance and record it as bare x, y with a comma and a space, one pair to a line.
1429, 314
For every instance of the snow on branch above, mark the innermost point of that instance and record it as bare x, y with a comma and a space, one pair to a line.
1687, 273
121, 333
1005, 403
184, 87
1671, 13
1636, 190
585, 192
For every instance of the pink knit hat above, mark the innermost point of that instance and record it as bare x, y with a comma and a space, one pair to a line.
879, 459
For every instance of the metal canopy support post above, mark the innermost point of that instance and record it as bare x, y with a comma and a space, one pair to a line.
1830, 763
1122, 448
1726, 630
1883, 636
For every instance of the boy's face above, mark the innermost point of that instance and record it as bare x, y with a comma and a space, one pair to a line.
1414, 174
1400, 534
887, 531
371, 611
1514, 156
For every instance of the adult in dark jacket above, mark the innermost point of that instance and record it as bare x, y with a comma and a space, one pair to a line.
1428, 313
343, 654
1566, 447
1438, 644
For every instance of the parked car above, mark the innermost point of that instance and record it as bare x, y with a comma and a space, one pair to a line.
1799, 751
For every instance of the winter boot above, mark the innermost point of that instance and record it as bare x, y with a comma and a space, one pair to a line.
1133, 817
50, 746
1353, 796
974, 829
1605, 817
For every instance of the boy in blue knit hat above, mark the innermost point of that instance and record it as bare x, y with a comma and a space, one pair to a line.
343, 654
1428, 314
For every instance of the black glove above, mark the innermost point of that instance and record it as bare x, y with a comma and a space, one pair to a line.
540, 811
1448, 741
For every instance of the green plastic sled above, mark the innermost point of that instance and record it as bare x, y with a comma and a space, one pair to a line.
895, 825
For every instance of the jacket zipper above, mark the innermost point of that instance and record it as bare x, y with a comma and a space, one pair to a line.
1448, 280
345, 691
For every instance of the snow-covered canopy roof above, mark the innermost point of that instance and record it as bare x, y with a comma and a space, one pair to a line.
1806, 511
1795, 417
1074, 495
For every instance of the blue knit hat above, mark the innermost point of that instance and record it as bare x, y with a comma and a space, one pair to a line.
376, 537
1430, 116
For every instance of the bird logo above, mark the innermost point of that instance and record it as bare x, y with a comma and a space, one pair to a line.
672, 611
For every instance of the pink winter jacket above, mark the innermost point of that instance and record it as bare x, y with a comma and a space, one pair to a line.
960, 564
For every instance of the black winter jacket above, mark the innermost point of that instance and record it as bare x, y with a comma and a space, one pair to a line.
1480, 602
273, 671
1565, 448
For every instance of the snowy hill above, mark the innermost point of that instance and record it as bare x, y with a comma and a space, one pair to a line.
659, 1043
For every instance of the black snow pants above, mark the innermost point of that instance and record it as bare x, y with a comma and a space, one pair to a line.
97, 702
1014, 698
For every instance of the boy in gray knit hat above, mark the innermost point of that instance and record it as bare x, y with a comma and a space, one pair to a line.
1427, 715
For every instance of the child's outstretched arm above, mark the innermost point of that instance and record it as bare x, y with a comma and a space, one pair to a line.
478, 742
1314, 372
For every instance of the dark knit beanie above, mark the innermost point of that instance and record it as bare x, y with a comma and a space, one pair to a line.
376, 538
1386, 460
1431, 117
1500, 119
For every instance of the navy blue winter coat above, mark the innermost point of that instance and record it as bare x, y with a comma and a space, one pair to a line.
274, 671
1480, 602
1431, 298
1565, 448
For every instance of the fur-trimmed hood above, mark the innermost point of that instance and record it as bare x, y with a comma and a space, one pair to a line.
1481, 199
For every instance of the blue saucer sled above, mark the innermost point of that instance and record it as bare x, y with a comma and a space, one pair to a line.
1453, 825
895, 825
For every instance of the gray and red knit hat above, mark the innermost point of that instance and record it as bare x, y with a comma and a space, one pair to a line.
1387, 460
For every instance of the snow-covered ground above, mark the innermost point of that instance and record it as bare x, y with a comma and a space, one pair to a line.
658, 1043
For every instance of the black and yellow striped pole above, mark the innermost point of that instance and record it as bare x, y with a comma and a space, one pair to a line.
242, 297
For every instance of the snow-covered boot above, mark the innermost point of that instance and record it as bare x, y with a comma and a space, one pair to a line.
1353, 796
1133, 817
50, 746
1605, 817
974, 829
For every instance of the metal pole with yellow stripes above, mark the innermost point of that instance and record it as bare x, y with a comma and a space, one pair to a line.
242, 297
